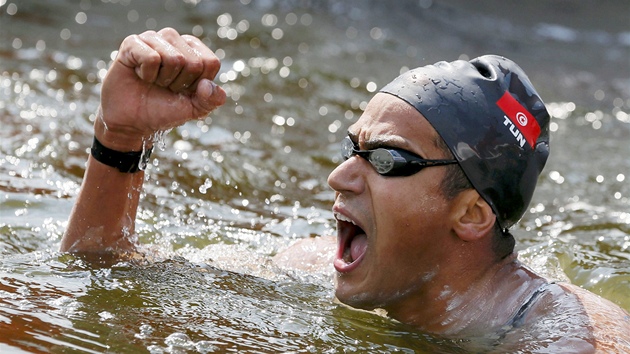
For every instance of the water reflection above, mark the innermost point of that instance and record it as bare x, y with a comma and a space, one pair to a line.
228, 192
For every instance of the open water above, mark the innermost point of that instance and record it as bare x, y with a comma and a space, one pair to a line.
226, 194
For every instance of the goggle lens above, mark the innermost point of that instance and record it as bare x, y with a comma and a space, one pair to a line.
390, 162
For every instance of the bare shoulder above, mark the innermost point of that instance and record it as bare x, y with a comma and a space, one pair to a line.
579, 319
312, 254
609, 323
568, 319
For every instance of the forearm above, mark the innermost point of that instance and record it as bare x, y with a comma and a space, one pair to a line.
103, 217
158, 81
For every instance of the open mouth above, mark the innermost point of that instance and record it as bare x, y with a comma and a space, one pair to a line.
352, 244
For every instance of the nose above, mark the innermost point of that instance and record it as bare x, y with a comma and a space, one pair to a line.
348, 177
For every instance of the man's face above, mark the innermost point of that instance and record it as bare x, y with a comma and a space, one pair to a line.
392, 231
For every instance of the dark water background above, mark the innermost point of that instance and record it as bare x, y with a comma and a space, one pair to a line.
227, 193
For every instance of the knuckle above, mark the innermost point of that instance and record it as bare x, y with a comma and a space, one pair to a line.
145, 35
189, 38
168, 32
152, 58
131, 41
176, 60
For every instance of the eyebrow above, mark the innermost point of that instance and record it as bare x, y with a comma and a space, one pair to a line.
382, 142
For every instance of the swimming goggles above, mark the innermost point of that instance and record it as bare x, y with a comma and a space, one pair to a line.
390, 162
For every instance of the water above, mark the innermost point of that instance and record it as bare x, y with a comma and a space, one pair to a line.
227, 193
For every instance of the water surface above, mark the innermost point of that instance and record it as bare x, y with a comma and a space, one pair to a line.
229, 192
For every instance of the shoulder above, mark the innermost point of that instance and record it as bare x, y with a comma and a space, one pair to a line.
609, 323
577, 318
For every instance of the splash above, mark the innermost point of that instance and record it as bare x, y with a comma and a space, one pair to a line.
158, 139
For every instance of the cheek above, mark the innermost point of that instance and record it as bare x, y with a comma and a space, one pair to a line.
409, 215
409, 204
428, 208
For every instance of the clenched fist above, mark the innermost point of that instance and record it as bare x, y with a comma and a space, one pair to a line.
158, 81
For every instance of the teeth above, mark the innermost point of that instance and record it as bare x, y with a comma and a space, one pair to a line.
341, 217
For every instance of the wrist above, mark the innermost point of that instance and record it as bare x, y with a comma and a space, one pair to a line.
124, 161
120, 139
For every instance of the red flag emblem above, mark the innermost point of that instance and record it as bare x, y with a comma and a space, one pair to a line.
520, 117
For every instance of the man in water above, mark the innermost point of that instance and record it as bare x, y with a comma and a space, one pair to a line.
441, 164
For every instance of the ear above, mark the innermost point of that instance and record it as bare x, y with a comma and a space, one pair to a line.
473, 217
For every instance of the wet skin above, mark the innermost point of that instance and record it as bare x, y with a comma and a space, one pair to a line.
402, 246
405, 219
428, 261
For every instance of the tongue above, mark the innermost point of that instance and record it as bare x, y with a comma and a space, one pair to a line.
358, 246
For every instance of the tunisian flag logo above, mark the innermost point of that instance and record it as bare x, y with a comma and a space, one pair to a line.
521, 123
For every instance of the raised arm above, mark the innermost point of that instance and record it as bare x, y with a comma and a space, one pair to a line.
158, 81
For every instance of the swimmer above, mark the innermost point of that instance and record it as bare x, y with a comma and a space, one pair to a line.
442, 162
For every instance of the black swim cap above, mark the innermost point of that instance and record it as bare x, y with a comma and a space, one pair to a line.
492, 120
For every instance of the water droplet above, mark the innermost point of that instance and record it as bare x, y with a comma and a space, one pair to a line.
205, 186
158, 139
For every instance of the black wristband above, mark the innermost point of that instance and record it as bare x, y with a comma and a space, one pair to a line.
127, 162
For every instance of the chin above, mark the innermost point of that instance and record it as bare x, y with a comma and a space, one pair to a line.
357, 300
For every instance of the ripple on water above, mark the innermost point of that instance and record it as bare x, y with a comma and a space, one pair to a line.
220, 199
